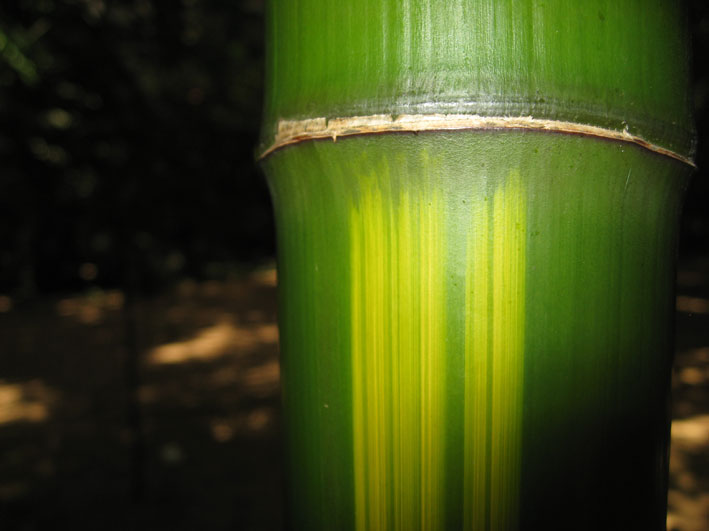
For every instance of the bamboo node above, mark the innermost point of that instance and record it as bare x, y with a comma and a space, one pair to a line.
294, 131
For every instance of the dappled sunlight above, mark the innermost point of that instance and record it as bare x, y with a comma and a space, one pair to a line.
266, 277
688, 497
262, 380
223, 430
208, 394
696, 355
692, 367
25, 402
694, 375
209, 344
688, 304
226, 376
253, 423
691, 433
91, 308
214, 342
260, 420
686, 510
691, 382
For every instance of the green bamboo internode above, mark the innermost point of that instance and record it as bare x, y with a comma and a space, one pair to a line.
476, 206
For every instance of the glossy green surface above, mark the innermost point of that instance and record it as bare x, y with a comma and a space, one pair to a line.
608, 63
476, 330
476, 325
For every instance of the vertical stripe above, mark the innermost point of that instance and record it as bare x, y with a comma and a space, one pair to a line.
476, 370
494, 358
358, 395
507, 351
398, 348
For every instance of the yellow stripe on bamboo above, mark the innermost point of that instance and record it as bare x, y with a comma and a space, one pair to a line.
398, 361
494, 358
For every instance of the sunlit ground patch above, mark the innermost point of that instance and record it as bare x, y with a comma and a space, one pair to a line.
214, 342
692, 304
25, 401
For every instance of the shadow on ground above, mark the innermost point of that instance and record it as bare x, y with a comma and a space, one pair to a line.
164, 413
688, 498
197, 448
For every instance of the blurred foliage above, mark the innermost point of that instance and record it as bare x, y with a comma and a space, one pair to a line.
126, 147
127, 138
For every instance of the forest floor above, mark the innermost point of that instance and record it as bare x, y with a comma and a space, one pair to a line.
203, 361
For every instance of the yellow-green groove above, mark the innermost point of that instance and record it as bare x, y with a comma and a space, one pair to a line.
507, 351
398, 361
494, 363
477, 280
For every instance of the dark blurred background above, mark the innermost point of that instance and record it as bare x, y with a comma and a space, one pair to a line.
127, 143
138, 360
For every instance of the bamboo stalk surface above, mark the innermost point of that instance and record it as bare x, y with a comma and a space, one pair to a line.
476, 322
